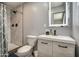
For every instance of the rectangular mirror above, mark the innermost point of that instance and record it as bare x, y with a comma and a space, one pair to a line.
58, 14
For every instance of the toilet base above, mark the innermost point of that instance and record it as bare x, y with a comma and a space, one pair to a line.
19, 55
25, 55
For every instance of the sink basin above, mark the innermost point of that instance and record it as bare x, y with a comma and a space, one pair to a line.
65, 39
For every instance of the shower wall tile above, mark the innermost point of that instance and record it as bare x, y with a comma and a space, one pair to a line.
16, 31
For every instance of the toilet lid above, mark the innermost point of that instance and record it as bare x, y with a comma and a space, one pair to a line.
24, 49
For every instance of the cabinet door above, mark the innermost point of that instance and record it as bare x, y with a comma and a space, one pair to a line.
63, 50
44, 48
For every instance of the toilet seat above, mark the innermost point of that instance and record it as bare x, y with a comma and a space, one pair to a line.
24, 51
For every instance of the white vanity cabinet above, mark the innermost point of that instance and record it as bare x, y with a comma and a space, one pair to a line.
44, 48
61, 49
56, 46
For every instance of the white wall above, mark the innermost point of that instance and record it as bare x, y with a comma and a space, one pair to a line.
35, 16
75, 26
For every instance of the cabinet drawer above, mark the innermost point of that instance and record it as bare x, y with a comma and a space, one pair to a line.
63, 50
44, 48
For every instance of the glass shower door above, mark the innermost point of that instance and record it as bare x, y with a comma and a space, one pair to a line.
3, 31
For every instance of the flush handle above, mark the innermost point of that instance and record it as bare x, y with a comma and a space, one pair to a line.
62, 46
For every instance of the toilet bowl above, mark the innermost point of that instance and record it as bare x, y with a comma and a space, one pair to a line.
26, 50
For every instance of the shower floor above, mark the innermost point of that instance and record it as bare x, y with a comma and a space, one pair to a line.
12, 46
11, 54
11, 50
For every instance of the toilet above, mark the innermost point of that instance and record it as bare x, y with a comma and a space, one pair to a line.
26, 50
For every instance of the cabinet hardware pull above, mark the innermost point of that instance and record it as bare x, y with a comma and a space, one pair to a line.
44, 43
63, 46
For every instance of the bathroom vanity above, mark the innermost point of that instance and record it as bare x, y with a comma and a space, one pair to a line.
56, 46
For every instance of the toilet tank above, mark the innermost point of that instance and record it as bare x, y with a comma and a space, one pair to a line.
31, 40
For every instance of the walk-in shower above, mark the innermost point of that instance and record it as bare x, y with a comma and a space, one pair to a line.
3, 31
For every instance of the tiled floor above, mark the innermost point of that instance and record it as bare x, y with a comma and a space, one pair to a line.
11, 54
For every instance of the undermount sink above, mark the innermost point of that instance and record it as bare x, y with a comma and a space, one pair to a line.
65, 39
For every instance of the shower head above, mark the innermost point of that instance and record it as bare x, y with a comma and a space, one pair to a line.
14, 11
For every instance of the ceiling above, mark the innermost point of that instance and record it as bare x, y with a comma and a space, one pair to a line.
13, 4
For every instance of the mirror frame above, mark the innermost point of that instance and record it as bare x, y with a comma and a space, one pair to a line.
67, 16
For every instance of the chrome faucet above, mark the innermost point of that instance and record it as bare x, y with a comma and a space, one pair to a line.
54, 32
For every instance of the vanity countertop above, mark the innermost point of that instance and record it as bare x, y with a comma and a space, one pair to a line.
65, 39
